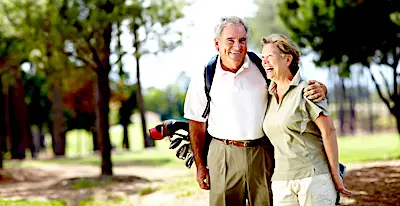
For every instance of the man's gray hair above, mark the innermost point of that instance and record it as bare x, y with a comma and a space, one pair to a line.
229, 20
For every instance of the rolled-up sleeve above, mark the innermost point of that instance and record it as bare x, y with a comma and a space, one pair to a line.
196, 100
315, 109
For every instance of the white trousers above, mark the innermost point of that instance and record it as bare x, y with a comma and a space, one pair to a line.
317, 190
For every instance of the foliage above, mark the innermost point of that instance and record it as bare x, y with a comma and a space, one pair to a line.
39, 104
168, 103
265, 22
343, 33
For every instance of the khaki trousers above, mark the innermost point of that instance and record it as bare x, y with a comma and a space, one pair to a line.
317, 190
240, 173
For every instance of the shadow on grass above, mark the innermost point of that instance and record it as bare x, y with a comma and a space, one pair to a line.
93, 182
76, 189
376, 186
92, 160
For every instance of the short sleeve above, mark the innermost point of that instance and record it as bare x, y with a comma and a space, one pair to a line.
315, 109
196, 100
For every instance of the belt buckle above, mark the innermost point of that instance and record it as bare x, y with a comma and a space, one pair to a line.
246, 144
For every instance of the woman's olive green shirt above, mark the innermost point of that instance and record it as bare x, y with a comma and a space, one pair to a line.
289, 124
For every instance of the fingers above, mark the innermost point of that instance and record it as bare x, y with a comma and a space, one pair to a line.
203, 179
315, 93
203, 184
345, 191
311, 82
208, 180
320, 98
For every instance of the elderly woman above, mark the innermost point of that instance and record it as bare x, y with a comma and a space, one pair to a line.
306, 152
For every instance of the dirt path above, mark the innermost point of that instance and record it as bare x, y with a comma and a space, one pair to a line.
373, 184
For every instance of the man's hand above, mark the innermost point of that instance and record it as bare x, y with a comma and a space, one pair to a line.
316, 91
203, 178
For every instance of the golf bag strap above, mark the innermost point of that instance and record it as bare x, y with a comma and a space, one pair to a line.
257, 61
209, 72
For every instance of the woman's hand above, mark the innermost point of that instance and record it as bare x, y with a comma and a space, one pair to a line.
339, 185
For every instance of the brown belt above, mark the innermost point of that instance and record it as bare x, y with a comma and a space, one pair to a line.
245, 143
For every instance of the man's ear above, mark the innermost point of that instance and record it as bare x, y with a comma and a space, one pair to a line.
216, 44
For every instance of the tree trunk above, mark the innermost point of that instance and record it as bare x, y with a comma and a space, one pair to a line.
42, 137
94, 139
148, 141
2, 124
102, 100
369, 106
102, 124
58, 122
341, 108
18, 120
125, 141
352, 95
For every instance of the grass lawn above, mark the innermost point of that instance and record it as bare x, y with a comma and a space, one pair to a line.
369, 148
79, 150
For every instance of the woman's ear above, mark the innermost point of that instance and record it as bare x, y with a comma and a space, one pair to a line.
289, 59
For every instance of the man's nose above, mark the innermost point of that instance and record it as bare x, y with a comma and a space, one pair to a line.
236, 45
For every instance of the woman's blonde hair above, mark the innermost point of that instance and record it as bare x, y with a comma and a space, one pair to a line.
286, 46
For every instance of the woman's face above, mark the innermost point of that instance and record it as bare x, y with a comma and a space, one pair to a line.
275, 63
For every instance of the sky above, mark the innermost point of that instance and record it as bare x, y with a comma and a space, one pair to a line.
198, 46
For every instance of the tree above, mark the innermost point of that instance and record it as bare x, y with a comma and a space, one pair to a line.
344, 33
125, 112
152, 25
265, 22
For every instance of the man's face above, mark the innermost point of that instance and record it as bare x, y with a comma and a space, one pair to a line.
232, 46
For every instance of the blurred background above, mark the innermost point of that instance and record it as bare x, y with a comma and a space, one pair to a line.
82, 81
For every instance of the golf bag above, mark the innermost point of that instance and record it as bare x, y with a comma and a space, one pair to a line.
177, 132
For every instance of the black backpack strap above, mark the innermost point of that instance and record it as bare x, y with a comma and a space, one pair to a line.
209, 72
257, 61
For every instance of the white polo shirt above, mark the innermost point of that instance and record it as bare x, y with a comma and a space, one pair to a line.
238, 102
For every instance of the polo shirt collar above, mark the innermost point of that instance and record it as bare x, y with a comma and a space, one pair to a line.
295, 82
246, 65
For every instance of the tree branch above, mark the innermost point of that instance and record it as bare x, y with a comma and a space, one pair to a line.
93, 50
386, 84
380, 91
88, 62
120, 57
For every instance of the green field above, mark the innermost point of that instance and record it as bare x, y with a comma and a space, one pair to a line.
79, 150
369, 148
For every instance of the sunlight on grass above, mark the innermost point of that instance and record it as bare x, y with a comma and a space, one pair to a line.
80, 142
146, 190
122, 201
150, 157
89, 183
351, 149
32, 203
369, 148
184, 187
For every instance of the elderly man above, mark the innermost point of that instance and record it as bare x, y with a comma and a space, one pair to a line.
240, 158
